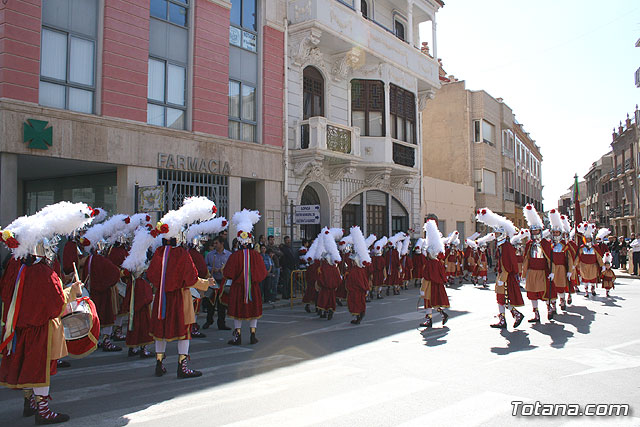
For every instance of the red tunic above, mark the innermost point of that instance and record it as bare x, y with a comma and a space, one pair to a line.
101, 275
392, 259
329, 279
434, 272
310, 293
377, 270
69, 256
198, 261
234, 270
143, 296
407, 268
357, 283
180, 274
29, 364
117, 255
602, 248
417, 261
508, 264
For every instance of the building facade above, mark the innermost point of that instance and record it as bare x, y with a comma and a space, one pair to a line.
356, 83
624, 177
472, 139
597, 205
99, 96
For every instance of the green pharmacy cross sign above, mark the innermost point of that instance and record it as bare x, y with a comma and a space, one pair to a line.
36, 135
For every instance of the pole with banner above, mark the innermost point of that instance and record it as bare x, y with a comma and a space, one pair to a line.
577, 213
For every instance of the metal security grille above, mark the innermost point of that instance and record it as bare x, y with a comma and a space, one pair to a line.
181, 184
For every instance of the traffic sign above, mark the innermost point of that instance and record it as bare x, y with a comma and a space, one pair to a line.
306, 214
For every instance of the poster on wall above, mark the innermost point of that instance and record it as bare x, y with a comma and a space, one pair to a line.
150, 199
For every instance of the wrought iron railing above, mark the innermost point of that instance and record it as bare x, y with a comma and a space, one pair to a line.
338, 139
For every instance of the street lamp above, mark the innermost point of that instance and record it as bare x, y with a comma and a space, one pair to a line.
606, 209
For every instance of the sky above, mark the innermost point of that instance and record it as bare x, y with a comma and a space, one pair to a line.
565, 67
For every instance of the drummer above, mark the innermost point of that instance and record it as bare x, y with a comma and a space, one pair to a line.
32, 338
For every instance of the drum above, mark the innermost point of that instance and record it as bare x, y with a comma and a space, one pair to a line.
79, 312
77, 320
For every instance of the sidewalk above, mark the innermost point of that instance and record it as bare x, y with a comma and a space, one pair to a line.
620, 273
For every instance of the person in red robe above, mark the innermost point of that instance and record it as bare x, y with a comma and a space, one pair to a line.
378, 271
245, 268
392, 258
69, 256
172, 272
434, 276
327, 281
344, 266
117, 254
139, 324
417, 262
101, 276
357, 280
407, 270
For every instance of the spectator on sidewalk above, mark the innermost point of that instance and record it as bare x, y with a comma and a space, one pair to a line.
635, 250
276, 254
265, 285
216, 260
288, 263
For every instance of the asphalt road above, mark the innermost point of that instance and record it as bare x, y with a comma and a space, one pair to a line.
385, 371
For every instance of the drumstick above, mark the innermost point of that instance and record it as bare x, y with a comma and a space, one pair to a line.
75, 272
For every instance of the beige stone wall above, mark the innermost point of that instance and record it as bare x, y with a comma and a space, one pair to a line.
450, 201
124, 143
446, 135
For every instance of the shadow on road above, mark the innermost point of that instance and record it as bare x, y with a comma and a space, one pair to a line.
556, 331
578, 316
517, 340
433, 337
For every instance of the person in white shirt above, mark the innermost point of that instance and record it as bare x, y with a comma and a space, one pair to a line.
635, 250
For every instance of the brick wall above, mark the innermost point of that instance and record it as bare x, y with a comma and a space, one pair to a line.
211, 69
125, 59
20, 23
273, 86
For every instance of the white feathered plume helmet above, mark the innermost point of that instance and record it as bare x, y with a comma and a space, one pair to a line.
360, 252
587, 229
451, 238
602, 233
485, 240
104, 232
63, 218
203, 229
524, 233
378, 246
346, 244
131, 224
607, 258
471, 243
244, 222
499, 223
566, 226
393, 240
315, 250
406, 242
337, 233
532, 217
370, 240
329, 248
170, 225
418, 245
433, 237
556, 220
546, 234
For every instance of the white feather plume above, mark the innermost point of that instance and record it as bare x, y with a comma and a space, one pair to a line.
566, 226
474, 236
359, 246
602, 233
405, 245
471, 243
433, 237
379, 245
607, 258
245, 219
546, 233
555, 220
484, 240
329, 245
337, 233
212, 226
370, 240
495, 221
193, 209
532, 217
315, 250
101, 216
136, 261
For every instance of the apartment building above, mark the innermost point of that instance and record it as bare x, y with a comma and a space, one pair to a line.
597, 202
528, 174
356, 83
110, 102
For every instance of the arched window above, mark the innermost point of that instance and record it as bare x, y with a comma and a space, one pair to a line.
364, 8
313, 93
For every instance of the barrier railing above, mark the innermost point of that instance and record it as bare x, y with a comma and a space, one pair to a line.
299, 284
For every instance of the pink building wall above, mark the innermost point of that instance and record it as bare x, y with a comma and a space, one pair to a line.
20, 24
211, 69
273, 86
125, 59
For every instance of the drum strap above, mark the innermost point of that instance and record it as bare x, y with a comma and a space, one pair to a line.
88, 284
12, 314
162, 304
247, 276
